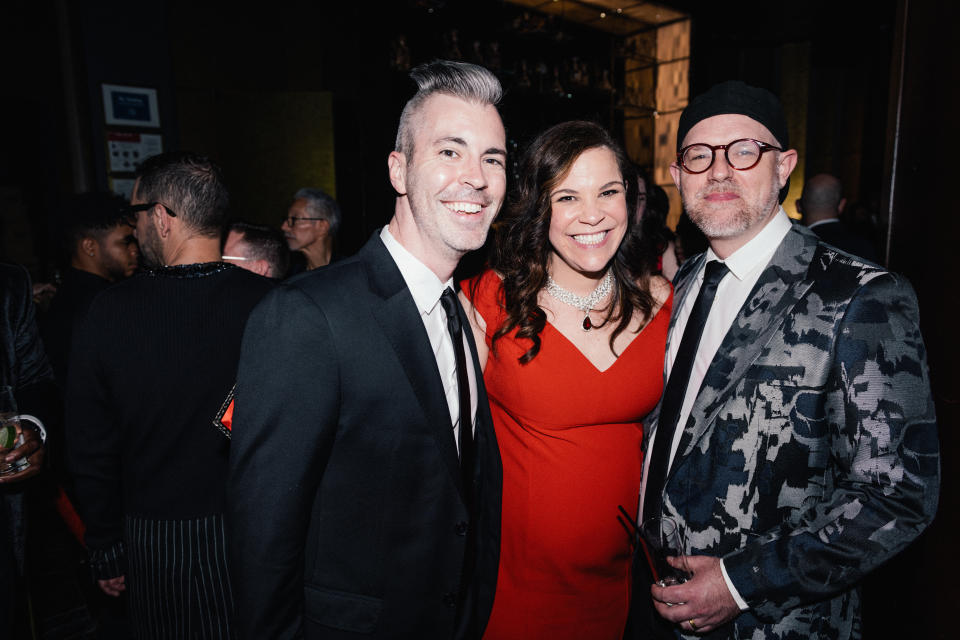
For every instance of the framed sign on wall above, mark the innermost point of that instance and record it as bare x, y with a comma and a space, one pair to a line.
130, 106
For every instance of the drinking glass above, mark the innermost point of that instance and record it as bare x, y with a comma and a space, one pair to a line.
661, 538
11, 432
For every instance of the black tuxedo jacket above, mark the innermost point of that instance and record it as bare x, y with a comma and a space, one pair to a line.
838, 234
346, 512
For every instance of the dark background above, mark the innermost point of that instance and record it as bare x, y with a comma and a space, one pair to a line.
877, 81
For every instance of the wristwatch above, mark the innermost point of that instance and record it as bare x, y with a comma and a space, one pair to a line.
28, 420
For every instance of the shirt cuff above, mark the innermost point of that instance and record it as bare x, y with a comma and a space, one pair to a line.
732, 589
109, 562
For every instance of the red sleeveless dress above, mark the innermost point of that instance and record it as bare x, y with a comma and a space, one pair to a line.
569, 438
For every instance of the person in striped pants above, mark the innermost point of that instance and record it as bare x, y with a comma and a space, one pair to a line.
151, 364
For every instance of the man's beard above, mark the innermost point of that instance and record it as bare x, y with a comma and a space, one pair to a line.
151, 253
731, 224
438, 223
116, 270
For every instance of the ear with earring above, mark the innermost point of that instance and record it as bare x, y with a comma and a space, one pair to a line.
87, 245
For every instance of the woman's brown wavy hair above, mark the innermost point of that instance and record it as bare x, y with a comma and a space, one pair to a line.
521, 236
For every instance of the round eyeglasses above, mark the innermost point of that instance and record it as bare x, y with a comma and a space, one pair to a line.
741, 155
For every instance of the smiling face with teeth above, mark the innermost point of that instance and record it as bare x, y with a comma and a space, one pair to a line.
588, 219
453, 186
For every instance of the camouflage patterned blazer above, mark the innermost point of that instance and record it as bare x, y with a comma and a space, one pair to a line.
810, 456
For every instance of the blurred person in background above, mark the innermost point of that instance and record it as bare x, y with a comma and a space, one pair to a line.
24, 370
97, 235
151, 365
256, 248
822, 204
311, 226
97, 232
653, 205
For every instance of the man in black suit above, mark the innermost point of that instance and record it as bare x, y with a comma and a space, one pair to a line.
359, 504
821, 204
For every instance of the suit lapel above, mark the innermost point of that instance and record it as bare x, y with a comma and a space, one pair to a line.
401, 323
781, 285
484, 421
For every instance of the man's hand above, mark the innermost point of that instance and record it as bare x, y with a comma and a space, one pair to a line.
701, 604
32, 450
43, 292
113, 586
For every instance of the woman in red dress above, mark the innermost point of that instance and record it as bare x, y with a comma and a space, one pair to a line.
571, 326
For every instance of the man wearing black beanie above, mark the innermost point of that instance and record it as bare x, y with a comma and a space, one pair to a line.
796, 441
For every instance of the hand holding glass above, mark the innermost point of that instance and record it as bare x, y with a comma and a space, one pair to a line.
11, 433
661, 538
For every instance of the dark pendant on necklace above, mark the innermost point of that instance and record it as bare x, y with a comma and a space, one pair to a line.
587, 325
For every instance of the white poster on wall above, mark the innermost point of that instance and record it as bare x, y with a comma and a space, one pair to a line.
128, 150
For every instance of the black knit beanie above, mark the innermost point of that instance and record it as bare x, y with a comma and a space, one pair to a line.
734, 96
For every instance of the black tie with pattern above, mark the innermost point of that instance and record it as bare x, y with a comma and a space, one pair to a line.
677, 389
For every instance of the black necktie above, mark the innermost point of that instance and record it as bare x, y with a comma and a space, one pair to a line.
677, 388
467, 454
465, 439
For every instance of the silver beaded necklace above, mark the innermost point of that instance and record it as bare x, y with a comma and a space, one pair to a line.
584, 304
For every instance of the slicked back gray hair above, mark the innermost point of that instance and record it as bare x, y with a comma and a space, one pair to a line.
468, 82
321, 205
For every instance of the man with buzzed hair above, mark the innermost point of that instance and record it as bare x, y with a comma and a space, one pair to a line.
256, 248
151, 365
97, 231
364, 471
796, 442
98, 235
821, 204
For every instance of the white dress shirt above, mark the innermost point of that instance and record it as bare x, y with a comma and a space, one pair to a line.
745, 265
426, 289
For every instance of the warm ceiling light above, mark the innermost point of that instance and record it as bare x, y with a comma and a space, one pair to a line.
603, 15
